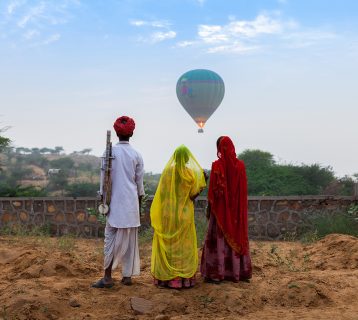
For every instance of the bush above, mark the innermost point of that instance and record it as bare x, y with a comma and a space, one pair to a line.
20, 191
342, 223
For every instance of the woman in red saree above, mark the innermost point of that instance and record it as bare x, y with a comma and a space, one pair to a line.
226, 253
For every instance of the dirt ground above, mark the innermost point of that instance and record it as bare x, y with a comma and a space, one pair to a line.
49, 278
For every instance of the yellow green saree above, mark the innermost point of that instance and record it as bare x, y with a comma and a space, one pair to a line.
174, 251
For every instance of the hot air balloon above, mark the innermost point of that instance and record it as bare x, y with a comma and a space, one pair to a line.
200, 92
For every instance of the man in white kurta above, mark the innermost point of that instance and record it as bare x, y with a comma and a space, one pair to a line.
123, 220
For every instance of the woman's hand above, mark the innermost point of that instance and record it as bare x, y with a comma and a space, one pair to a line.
208, 211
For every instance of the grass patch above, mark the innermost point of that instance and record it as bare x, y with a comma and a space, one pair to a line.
145, 235
201, 225
21, 230
340, 222
66, 243
293, 285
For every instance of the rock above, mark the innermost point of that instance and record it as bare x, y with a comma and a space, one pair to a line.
74, 303
141, 306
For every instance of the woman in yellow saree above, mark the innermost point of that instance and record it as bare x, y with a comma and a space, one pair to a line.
174, 251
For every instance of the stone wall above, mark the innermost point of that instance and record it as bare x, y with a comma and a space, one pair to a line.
270, 218
61, 215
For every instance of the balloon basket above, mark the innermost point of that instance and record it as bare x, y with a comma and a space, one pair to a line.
201, 130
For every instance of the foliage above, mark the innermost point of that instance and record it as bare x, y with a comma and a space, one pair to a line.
65, 163
58, 181
82, 189
341, 223
21, 191
100, 217
266, 177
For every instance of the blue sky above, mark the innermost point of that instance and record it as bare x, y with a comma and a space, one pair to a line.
68, 68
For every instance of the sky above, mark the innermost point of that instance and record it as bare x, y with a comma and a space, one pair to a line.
69, 68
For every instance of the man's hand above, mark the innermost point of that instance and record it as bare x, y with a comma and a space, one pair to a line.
99, 196
140, 204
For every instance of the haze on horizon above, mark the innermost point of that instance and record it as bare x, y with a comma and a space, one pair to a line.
69, 68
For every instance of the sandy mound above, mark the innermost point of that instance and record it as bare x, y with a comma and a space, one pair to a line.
334, 252
50, 279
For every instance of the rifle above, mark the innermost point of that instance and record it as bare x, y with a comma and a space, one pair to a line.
106, 167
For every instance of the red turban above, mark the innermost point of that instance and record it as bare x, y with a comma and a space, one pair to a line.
124, 126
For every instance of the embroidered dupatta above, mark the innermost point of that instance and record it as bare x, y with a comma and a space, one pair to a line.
228, 196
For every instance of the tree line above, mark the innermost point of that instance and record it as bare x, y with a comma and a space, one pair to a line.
266, 177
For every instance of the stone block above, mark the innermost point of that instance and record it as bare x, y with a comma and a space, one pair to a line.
38, 219
6, 205
70, 205
59, 204
265, 205
51, 208
280, 205
70, 217
295, 217
6, 217
38, 206
24, 216
28, 205
253, 206
295, 205
262, 217
273, 216
262, 230
59, 217
272, 231
80, 204
17, 204
81, 216
283, 217
253, 230
92, 218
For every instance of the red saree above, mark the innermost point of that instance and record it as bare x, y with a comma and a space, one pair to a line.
227, 237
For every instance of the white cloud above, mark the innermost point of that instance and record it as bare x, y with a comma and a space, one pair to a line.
161, 36
235, 47
184, 44
53, 38
244, 36
36, 20
157, 36
235, 29
13, 5
152, 23
30, 34
31, 15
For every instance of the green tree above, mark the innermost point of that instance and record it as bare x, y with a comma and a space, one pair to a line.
58, 150
58, 182
65, 163
266, 177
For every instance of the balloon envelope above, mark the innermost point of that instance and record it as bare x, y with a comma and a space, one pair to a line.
200, 92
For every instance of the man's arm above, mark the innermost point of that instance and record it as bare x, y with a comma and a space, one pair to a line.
139, 176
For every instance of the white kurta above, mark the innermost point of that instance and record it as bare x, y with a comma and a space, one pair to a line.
127, 184
123, 220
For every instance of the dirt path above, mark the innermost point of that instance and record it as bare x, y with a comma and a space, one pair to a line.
48, 278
